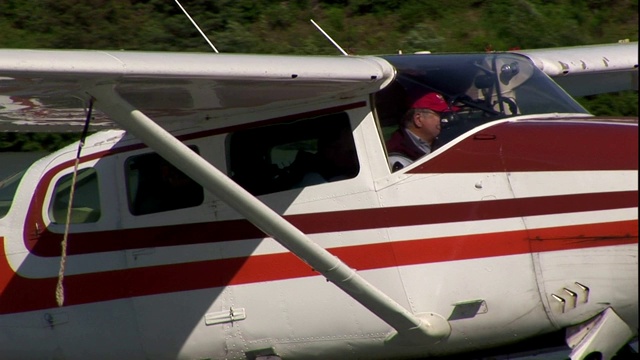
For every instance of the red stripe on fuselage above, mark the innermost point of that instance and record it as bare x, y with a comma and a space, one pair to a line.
541, 145
47, 244
22, 294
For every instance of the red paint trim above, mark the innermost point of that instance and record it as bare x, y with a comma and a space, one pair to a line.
541, 145
47, 244
21, 294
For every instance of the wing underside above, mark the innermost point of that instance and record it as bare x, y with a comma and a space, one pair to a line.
46, 90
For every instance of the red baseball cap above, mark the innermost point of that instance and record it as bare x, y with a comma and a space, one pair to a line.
433, 101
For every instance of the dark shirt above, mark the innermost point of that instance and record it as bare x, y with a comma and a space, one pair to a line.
400, 144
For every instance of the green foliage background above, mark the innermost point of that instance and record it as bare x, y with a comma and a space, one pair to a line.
361, 27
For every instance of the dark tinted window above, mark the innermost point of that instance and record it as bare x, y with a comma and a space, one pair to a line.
154, 185
292, 155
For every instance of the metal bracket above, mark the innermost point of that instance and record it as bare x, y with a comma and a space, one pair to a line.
225, 316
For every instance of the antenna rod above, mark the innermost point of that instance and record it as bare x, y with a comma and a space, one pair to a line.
197, 27
328, 37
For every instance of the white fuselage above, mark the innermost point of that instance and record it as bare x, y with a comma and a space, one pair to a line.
490, 251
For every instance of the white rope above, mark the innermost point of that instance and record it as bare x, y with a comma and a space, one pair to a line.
63, 257
63, 245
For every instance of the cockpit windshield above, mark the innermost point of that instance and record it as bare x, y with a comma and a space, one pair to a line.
485, 87
8, 189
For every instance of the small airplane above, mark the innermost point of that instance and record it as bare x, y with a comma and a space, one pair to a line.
181, 228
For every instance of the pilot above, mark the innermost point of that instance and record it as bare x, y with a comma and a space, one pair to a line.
418, 130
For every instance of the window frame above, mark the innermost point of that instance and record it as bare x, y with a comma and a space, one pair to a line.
84, 214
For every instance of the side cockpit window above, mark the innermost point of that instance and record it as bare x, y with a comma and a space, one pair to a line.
86, 198
474, 89
154, 185
293, 155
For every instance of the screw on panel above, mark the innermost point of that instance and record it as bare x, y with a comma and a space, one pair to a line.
49, 319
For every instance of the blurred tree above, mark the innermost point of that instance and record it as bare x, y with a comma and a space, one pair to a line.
35, 141
624, 103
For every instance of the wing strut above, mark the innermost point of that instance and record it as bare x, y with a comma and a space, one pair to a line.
420, 329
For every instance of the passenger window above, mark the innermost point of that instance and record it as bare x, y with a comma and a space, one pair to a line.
154, 185
86, 198
293, 155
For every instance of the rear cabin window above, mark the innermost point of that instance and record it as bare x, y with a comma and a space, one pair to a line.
154, 185
86, 199
292, 155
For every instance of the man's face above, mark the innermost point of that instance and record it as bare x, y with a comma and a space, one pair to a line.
428, 124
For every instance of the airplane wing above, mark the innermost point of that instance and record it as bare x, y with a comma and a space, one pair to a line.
591, 69
42, 90
47, 87
139, 90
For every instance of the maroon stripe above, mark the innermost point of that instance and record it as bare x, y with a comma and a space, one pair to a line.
47, 244
578, 145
